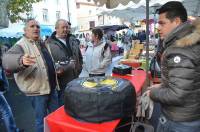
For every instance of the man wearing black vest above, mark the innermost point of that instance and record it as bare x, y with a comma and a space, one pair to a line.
66, 54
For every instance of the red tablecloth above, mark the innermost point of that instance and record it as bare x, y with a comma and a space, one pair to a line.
59, 121
137, 78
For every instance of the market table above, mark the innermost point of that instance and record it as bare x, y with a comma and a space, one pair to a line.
137, 78
59, 121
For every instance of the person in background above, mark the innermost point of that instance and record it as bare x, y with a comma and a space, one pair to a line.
127, 44
5, 47
65, 51
155, 62
87, 38
5, 109
34, 72
120, 44
142, 36
130, 32
98, 54
179, 91
159, 51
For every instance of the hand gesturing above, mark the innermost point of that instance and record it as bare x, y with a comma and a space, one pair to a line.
28, 60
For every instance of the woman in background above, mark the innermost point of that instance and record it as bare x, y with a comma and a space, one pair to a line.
98, 54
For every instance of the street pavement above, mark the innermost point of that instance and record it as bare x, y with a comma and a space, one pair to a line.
21, 106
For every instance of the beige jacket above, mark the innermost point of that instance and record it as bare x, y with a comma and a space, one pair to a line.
32, 80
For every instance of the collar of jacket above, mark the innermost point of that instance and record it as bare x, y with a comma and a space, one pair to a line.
186, 34
53, 35
32, 41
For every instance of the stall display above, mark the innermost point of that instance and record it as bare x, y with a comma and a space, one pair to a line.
122, 69
60, 121
99, 99
136, 50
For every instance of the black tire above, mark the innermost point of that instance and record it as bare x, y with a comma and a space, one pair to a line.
100, 103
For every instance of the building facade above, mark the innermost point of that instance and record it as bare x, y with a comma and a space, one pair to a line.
48, 11
86, 14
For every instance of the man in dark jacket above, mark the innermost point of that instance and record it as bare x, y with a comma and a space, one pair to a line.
66, 54
179, 91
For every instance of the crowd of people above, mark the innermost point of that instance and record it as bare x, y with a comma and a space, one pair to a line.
42, 69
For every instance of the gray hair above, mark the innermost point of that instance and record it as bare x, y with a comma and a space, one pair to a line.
27, 21
59, 20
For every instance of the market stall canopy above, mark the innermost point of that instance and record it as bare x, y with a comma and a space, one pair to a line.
113, 3
192, 7
131, 14
16, 31
135, 9
112, 27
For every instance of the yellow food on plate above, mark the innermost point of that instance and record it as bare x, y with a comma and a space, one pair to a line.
108, 82
89, 84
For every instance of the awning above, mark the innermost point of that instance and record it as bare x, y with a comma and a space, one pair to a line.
16, 31
113, 3
112, 27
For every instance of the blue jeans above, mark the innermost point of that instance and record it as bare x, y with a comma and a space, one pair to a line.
166, 125
43, 104
7, 115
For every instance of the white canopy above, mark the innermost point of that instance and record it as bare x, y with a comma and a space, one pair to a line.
132, 11
16, 31
192, 6
113, 3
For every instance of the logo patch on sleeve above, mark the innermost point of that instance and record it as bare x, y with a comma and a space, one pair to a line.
177, 59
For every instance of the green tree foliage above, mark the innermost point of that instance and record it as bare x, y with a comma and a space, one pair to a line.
16, 7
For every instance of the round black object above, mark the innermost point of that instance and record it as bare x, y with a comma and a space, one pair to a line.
99, 99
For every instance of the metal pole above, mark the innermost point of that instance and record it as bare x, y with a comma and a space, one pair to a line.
147, 42
103, 19
154, 20
68, 10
